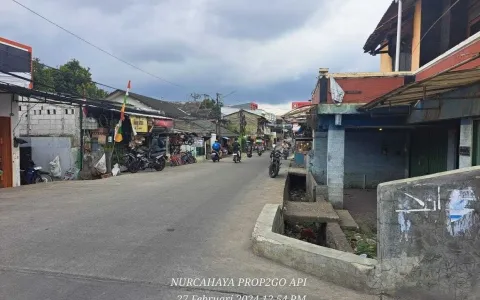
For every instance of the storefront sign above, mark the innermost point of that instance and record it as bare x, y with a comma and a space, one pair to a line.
163, 123
199, 143
140, 124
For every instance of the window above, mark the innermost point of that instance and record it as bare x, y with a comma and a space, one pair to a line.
39, 112
48, 111
54, 111
19, 108
34, 112
66, 111
73, 111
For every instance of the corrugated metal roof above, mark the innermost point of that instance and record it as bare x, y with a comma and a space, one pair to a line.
388, 24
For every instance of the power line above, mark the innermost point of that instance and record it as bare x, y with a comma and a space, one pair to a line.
433, 25
95, 46
53, 68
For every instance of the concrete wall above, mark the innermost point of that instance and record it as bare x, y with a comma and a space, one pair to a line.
45, 149
318, 162
42, 119
429, 235
9, 108
373, 157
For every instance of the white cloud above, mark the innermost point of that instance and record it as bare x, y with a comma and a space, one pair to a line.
324, 34
278, 109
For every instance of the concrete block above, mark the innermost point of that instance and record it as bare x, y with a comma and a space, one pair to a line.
336, 239
342, 268
297, 171
426, 228
321, 212
346, 220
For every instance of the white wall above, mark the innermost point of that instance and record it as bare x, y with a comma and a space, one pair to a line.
45, 149
42, 119
7, 108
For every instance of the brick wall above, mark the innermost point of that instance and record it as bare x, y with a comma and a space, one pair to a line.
374, 156
42, 119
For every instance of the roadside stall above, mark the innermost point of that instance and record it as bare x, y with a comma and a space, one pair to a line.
302, 146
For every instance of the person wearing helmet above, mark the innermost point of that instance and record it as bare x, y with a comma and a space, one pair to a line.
236, 147
216, 147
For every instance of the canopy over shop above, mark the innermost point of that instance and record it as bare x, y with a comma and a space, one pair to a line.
98, 121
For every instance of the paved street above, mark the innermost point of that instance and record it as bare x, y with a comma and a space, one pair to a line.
126, 237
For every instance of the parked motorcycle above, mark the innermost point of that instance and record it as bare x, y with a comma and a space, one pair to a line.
275, 163
237, 157
215, 157
139, 159
34, 174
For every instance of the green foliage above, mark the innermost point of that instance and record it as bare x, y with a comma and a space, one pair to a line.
207, 103
71, 78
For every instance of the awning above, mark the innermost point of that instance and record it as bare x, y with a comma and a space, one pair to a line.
299, 112
457, 68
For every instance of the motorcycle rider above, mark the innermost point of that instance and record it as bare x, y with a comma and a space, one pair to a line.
216, 148
236, 148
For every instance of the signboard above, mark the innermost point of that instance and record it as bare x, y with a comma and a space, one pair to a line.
140, 124
15, 62
296, 105
464, 151
163, 123
199, 143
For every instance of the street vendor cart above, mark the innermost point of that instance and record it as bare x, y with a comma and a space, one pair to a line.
302, 146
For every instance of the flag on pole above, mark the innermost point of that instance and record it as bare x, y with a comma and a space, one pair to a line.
118, 132
118, 128
122, 111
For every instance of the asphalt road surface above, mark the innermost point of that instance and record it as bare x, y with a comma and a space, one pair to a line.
127, 237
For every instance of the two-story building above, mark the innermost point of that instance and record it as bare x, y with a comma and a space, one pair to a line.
377, 127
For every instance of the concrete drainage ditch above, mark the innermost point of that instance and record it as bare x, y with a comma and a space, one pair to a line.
307, 234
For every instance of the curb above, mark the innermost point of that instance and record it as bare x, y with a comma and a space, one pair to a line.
341, 268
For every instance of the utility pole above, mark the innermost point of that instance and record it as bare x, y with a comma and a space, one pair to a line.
399, 36
219, 116
243, 123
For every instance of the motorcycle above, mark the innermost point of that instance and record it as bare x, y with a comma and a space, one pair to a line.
249, 152
138, 159
237, 157
33, 174
259, 151
275, 163
215, 157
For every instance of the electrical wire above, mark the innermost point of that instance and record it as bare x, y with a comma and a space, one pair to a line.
53, 68
435, 23
96, 47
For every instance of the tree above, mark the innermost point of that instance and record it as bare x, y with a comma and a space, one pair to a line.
42, 77
207, 103
71, 78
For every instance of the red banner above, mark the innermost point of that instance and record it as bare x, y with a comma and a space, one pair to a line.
296, 105
163, 123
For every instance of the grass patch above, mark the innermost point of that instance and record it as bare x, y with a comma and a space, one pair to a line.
362, 242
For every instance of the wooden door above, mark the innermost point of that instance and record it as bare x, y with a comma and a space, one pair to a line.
6, 179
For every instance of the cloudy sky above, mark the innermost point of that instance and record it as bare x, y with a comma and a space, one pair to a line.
267, 51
